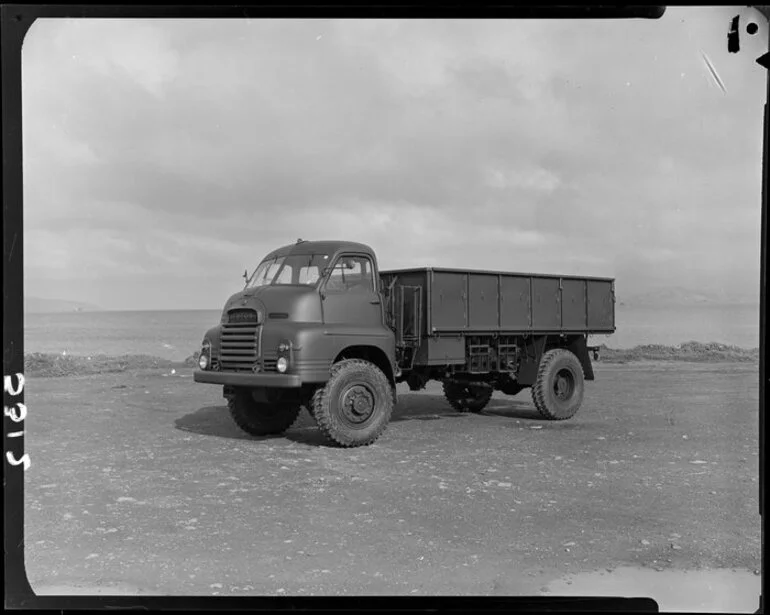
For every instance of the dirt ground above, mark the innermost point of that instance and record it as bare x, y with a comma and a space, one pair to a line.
140, 483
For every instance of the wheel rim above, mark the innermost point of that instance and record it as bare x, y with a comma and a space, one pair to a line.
357, 404
564, 385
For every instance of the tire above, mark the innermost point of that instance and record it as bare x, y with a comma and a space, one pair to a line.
558, 389
355, 405
464, 398
512, 389
259, 418
415, 382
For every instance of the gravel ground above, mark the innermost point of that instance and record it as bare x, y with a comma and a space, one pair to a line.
141, 483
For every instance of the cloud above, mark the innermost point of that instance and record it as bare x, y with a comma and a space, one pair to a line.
190, 148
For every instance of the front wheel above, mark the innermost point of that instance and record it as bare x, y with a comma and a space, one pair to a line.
354, 407
259, 418
558, 389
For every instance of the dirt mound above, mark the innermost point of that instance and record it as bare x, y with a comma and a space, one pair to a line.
711, 352
52, 365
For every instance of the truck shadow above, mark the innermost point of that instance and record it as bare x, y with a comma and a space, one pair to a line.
216, 421
426, 407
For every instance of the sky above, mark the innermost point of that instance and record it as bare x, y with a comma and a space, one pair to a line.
163, 157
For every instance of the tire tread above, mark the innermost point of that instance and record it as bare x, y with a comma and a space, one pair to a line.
541, 385
321, 399
451, 394
253, 426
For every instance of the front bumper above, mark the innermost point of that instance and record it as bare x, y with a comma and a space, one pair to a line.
278, 381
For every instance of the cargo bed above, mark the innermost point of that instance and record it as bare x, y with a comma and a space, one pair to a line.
433, 301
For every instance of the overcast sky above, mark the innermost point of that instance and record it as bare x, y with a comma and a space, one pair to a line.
162, 157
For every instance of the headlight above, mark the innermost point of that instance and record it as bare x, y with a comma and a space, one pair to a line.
205, 357
282, 364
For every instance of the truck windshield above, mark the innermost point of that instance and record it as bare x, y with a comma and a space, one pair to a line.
296, 269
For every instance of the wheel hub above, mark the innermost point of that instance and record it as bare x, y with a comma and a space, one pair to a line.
357, 404
563, 385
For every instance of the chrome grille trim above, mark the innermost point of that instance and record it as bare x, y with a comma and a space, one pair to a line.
269, 360
239, 348
242, 316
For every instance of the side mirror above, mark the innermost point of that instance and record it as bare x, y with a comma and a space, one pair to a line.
246, 275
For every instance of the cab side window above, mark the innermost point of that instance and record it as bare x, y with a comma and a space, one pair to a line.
351, 274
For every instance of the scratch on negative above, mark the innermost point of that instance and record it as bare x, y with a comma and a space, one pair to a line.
713, 72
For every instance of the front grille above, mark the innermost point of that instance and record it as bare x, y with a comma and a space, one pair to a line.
239, 349
269, 359
239, 316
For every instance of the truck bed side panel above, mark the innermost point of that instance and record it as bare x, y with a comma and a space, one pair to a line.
483, 302
601, 305
546, 304
574, 317
516, 302
449, 295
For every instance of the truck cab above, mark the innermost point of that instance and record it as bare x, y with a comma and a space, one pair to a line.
307, 307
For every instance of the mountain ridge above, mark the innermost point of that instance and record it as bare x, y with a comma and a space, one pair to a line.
682, 296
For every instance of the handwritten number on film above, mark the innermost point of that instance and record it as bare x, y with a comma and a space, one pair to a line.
17, 413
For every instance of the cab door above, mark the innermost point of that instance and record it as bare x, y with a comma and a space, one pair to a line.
350, 294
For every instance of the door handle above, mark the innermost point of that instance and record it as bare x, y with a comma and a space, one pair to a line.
375, 302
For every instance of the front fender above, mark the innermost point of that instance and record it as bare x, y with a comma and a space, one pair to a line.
316, 346
214, 336
311, 354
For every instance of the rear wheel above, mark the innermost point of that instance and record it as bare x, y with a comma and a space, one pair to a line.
261, 418
354, 407
466, 397
511, 388
558, 389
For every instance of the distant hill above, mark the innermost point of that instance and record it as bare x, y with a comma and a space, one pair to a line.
680, 296
38, 305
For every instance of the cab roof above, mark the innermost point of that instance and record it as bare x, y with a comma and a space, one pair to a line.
320, 247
